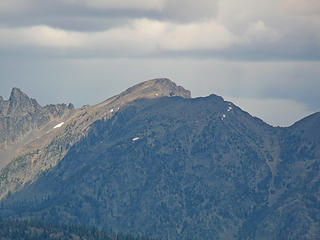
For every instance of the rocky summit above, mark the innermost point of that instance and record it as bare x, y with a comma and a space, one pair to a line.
153, 161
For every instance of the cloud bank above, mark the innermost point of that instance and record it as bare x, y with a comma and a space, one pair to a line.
241, 30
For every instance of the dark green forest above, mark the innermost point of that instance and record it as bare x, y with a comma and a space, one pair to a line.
27, 229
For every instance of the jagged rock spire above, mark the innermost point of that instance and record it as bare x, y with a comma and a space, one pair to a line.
20, 102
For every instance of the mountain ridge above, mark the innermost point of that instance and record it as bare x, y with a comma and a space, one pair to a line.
175, 167
41, 146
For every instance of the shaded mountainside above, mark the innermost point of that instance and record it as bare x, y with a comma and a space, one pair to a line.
182, 168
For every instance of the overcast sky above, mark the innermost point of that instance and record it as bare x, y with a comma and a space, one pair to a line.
264, 55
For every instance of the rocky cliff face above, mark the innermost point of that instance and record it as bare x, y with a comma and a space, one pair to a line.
21, 114
18, 115
21, 118
181, 168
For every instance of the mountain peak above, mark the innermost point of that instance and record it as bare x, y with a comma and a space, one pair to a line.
17, 95
20, 102
157, 87
165, 83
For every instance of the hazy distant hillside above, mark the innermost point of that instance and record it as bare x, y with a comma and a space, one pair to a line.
183, 168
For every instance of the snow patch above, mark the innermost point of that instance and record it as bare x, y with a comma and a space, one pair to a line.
58, 125
135, 139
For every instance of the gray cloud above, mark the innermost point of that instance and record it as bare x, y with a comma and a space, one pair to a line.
223, 29
145, 37
69, 14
